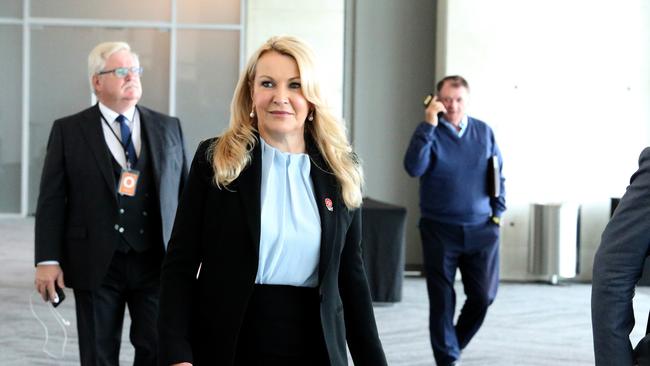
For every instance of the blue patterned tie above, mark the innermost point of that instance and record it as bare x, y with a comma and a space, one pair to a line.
125, 131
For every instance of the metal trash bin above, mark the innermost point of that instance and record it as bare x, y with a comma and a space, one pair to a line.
553, 240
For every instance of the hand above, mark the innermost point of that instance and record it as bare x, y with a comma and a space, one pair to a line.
46, 275
431, 113
495, 220
182, 364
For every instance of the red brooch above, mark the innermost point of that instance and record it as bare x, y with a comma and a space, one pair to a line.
329, 205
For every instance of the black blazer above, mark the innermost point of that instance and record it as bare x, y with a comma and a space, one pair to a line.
219, 229
77, 206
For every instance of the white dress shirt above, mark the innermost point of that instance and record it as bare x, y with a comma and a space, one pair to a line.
113, 139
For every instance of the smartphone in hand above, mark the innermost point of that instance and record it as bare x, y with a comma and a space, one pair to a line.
427, 100
59, 293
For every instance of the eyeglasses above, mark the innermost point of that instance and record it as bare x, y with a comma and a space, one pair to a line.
122, 72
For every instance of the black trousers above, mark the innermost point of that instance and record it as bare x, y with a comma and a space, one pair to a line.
474, 249
133, 280
282, 327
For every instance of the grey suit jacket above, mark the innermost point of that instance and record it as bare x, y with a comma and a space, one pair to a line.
77, 205
618, 265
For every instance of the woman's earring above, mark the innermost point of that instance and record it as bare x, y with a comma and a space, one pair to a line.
252, 114
311, 116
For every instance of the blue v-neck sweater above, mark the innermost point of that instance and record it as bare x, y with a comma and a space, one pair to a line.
453, 172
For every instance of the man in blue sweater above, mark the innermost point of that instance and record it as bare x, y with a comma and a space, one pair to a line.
449, 152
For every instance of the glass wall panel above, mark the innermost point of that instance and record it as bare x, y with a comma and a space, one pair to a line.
11, 8
59, 79
10, 117
150, 10
206, 77
209, 11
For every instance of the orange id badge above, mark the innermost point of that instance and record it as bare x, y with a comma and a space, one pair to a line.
128, 182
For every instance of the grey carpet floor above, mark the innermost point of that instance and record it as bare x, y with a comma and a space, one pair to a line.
528, 324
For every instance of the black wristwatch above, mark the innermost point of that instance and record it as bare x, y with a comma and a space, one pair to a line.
496, 220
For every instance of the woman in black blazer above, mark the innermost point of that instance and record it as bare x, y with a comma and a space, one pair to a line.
264, 264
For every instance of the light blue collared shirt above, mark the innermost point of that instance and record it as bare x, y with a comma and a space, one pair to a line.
462, 125
290, 224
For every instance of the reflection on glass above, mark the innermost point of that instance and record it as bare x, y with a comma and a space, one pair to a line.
59, 80
209, 11
10, 118
206, 78
150, 10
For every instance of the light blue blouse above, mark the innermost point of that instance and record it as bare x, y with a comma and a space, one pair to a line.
290, 224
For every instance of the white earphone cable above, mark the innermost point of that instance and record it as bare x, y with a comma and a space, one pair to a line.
63, 323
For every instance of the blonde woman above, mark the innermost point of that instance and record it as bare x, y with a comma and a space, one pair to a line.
264, 265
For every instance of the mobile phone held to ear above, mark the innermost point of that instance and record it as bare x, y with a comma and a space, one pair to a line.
427, 100
60, 294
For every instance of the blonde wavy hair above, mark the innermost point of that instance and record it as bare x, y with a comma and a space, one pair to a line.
231, 152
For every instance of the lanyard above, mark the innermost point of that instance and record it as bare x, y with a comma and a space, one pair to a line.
125, 147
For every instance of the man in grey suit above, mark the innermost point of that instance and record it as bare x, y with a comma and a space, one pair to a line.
111, 181
618, 265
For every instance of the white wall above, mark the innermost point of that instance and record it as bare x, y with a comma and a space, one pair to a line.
565, 85
319, 23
